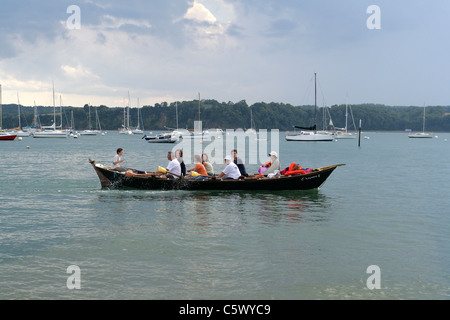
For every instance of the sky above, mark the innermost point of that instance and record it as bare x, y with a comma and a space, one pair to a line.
227, 50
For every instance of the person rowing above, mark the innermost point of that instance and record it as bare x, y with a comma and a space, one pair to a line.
173, 168
117, 160
199, 167
238, 161
208, 166
231, 171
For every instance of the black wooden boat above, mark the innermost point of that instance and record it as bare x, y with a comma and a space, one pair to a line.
110, 178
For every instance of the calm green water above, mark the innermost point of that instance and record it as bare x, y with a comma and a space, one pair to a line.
389, 206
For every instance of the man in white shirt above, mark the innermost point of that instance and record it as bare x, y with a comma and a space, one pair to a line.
231, 171
173, 166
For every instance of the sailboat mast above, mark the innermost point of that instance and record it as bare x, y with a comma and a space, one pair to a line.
199, 106
18, 108
423, 129
124, 114
138, 124
60, 109
54, 107
89, 118
315, 102
97, 120
35, 115
176, 110
346, 117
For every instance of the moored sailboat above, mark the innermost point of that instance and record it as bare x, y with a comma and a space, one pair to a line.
422, 134
51, 131
162, 138
343, 133
137, 129
310, 133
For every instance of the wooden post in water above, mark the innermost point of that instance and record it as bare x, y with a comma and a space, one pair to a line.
359, 135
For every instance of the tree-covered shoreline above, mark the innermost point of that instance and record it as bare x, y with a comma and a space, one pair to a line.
233, 115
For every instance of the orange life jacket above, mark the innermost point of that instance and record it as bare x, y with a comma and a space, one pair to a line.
291, 172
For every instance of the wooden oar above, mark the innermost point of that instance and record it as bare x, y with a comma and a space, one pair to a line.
164, 170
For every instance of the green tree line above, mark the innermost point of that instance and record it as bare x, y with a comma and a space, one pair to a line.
233, 115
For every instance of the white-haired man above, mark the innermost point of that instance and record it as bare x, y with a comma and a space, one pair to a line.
231, 171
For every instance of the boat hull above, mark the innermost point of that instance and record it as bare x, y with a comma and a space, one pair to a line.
43, 134
112, 179
88, 133
161, 139
309, 137
420, 135
8, 137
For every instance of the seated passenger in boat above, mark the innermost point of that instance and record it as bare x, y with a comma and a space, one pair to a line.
179, 155
238, 161
117, 159
231, 171
208, 166
199, 167
274, 164
173, 166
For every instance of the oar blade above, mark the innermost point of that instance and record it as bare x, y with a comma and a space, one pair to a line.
161, 169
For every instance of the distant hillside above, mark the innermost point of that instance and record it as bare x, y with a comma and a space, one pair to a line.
229, 115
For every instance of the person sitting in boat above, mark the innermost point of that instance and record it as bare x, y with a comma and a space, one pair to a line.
274, 164
173, 166
117, 160
231, 171
208, 166
179, 155
238, 161
199, 167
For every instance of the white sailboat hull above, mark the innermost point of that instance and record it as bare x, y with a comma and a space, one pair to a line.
50, 134
125, 131
309, 136
420, 135
88, 133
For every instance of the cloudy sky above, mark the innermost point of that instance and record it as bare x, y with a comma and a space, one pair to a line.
228, 50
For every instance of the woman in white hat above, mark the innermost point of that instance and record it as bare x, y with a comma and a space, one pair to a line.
231, 171
275, 166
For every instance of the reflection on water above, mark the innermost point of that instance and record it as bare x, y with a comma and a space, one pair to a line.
267, 207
